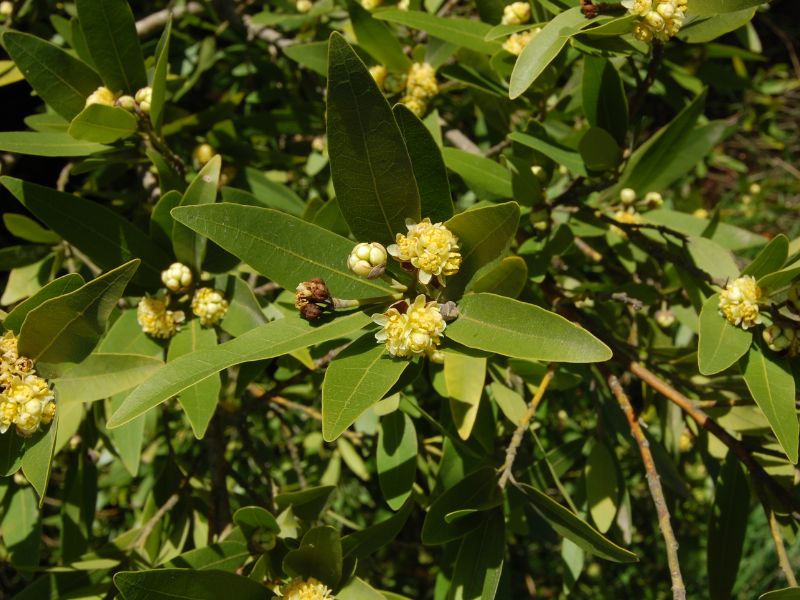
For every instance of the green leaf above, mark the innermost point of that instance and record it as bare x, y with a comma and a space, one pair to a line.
604, 102
552, 150
599, 150
713, 8
465, 33
62, 81
37, 458
508, 278
159, 84
772, 386
103, 124
283, 248
200, 400
477, 491
572, 527
270, 340
11, 447
792, 593
479, 563
520, 330
726, 528
273, 194
252, 519
396, 457
602, 486
174, 584
62, 285
103, 375
779, 279
377, 39
721, 343
483, 235
66, 328
479, 172
46, 143
190, 248
727, 236
770, 259
358, 589
29, 230
428, 164
102, 234
223, 556
22, 528
110, 33
306, 504
702, 30
313, 56
370, 166
358, 378
363, 543
544, 48
319, 556
646, 168
712, 258
464, 376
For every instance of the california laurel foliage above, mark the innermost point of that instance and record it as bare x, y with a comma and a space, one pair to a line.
426, 300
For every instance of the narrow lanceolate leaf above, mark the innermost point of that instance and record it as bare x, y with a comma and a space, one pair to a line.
159, 84
602, 486
521, 330
568, 524
102, 375
479, 563
726, 529
102, 234
189, 247
396, 457
47, 143
483, 235
721, 343
171, 584
464, 376
283, 248
103, 124
770, 381
358, 378
429, 169
376, 38
479, 172
770, 259
62, 81
37, 458
370, 166
506, 279
200, 400
465, 33
270, 340
544, 48
66, 328
110, 32
62, 285
712, 8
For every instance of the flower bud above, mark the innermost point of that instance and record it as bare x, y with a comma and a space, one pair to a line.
627, 195
654, 20
144, 97
209, 305
754, 189
177, 277
516, 13
203, 153
700, 213
379, 74
304, 6
6, 8
653, 199
155, 320
778, 338
665, 318
101, 95
404, 5
371, 4
368, 260
126, 102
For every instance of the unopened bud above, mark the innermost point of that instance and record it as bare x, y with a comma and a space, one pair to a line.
754, 189
368, 260
627, 195
303, 6
6, 8
700, 213
653, 199
177, 277
144, 97
203, 153
665, 318
778, 338
126, 102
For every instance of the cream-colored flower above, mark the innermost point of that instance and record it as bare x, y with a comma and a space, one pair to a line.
653, 199
379, 74
371, 4
404, 5
304, 6
516, 42
660, 19
144, 98
665, 318
127, 102
431, 248
203, 153
738, 302
209, 305
307, 589
627, 195
8, 347
415, 105
367, 260
421, 81
31, 397
8, 413
417, 331
155, 320
102, 95
628, 216
6, 8
516, 13
177, 277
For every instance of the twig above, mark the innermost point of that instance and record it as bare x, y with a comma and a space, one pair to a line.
462, 142
640, 93
705, 422
587, 250
654, 483
151, 524
152, 23
522, 426
780, 549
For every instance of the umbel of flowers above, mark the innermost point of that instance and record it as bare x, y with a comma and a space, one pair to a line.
416, 331
26, 401
738, 302
660, 19
306, 589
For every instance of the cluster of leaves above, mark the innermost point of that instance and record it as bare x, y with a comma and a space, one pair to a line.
569, 175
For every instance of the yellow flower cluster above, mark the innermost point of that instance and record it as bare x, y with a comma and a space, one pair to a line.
177, 277
421, 87
416, 332
209, 305
429, 247
144, 97
156, 320
307, 589
26, 400
627, 216
516, 42
738, 302
101, 95
379, 74
661, 19
516, 13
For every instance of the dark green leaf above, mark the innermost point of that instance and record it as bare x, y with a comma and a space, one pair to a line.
713, 8
186, 584
465, 33
479, 563
160, 79
319, 556
599, 150
479, 172
376, 38
770, 259
306, 504
190, 248
361, 544
604, 102
721, 343
396, 457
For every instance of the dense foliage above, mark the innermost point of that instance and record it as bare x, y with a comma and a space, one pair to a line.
378, 300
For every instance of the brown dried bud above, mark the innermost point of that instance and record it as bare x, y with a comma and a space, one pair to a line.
24, 364
310, 312
449, 310
314, 290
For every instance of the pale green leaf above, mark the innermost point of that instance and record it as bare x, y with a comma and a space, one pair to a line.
464, 376
103, 375
721, 343
103, 124
62, 285
47, 143
602, 486
465, 33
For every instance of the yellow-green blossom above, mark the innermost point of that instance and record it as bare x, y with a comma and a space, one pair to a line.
516, 42
379, 74
516, 13
660, 19
209, 305
155, 320
417, 331
101, 95
431, 248
144, 97
307, 589
738, 302
32, 398
421, 87
177, 277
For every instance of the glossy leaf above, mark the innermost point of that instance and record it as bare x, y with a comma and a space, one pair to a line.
103, 375
479, 172
66, 328
358, 378
370, 166
520, 330
29, 230
103, 124
465, 33
770, 381
508, 278
160, 73
363, 543
701, 30
721, 343
110, 33
557, 153
712, 8
189, 247
792, 593
464, 377
22, 529
37, 458
604, 102
599, 150
306, 504
47, 143
273, 194
376, 38
270, 340
62, 285
724, 234
286, 249
63, 81
319, 556
396, 457
170, 584
479, 563
770, 259
102, 234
